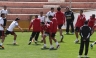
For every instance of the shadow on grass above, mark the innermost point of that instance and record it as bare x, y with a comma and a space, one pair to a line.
91, 41
1, 49
85, 57
12, 44
48, 49
68, 34
36, 44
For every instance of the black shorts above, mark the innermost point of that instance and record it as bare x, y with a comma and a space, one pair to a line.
1, 33
47, 33
53, 34
9, 32
60, 26
77, 29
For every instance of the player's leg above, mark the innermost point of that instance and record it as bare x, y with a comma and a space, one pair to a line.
92, 44
2, 39
53, 37
67, 27
76, 34
31, 37
15, 37
50, 40
44, 40
72, 27
36, 37
81, 48
86, 47
61, 32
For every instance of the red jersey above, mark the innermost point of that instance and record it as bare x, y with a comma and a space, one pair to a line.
36, 25
80, 21
54, 20
60, 17
91, 22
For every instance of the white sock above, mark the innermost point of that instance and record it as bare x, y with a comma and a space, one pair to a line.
1, 43
51, 46
61, 36
56, 43
44, 45
14, 41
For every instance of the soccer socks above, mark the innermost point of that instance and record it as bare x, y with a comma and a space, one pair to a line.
1, 44
57, 43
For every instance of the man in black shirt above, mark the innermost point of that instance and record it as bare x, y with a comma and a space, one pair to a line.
85, 33
69, 20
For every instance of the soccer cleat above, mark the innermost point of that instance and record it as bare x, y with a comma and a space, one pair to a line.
57, 46
2, 46
91, 46
29, 43
14, 43
36, 43
44, 47
86, 56
79, 56
52, 48
76, 41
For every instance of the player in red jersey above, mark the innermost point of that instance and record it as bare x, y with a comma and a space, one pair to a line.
61, 20
80, 22
36, 29
91, 22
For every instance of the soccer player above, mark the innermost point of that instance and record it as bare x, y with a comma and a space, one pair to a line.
61, 20
69, 20
36, 29
85, 33
11, 27
80, 22
54, 30
42, 20
2, 30
4, 11
50, 13
92, 22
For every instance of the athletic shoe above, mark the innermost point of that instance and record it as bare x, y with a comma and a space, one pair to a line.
36, 42
76, 41
57, 46
91, 46
86, 56
44, 47
51, 48
67, 32
2, 46
14, 43
72, 32
29, 43
79, 56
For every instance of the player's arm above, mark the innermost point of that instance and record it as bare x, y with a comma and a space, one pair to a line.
20, 28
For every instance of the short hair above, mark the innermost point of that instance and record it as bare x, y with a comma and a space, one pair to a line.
52, 8
36, 16
2, 14
81, 11
86, 22
59, 8
93, 15
17, 19
50, 16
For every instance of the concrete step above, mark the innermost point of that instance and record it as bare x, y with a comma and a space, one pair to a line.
36, 10
21, 16
25, 0
81, 0
40, 4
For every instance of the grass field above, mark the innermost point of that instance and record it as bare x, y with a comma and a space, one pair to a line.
67, 49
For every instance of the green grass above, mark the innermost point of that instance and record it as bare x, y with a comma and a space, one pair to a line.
67, 49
